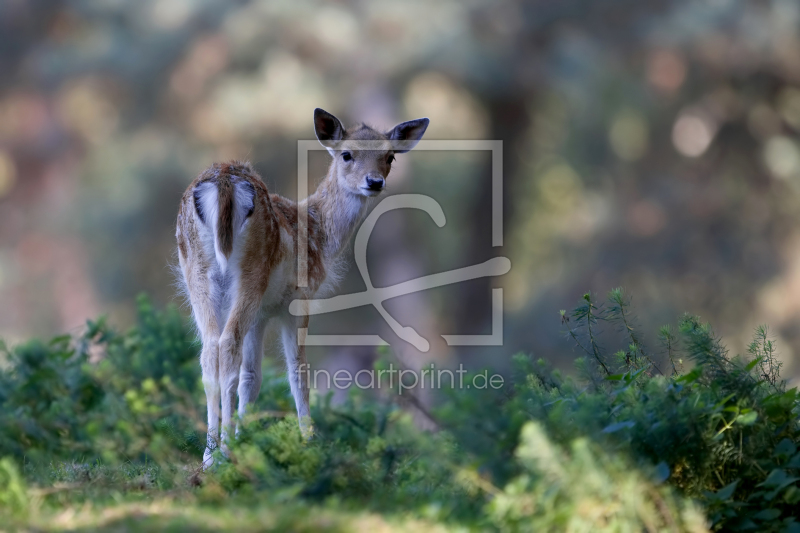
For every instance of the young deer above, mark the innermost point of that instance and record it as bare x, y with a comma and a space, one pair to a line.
237, 247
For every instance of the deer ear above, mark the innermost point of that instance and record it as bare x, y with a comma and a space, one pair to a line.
411, 131
328, 129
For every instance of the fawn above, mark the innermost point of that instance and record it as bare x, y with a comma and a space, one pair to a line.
237, 250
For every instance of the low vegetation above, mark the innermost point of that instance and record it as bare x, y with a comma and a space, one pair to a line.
106, 432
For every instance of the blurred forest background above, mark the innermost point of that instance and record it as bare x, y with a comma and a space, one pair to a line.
650, 145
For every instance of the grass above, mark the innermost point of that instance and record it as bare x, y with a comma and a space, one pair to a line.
105, 432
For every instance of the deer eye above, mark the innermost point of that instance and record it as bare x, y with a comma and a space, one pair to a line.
390, 159
347, 156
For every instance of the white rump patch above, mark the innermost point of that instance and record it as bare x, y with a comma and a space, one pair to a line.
243, 204
208, 202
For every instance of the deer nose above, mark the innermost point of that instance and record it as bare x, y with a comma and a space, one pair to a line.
374, 184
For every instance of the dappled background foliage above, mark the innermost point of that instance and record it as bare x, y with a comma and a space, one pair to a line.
646, 144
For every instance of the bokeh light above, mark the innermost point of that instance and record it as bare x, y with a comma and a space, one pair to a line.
693, 133
648, 146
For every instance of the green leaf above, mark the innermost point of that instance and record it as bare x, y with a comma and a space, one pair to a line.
794, 462
792, 527
632, 376
691, 377
767, 514
724, 401
785, 448
753, 363
791, 495
774, 478
618, 426
747, 419
777, 479
726, 492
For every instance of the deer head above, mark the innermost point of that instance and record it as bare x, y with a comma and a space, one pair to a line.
361, 168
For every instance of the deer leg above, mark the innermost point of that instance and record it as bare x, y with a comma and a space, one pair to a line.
200, 290
242, 317
209, 363
250, 372
297, 368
